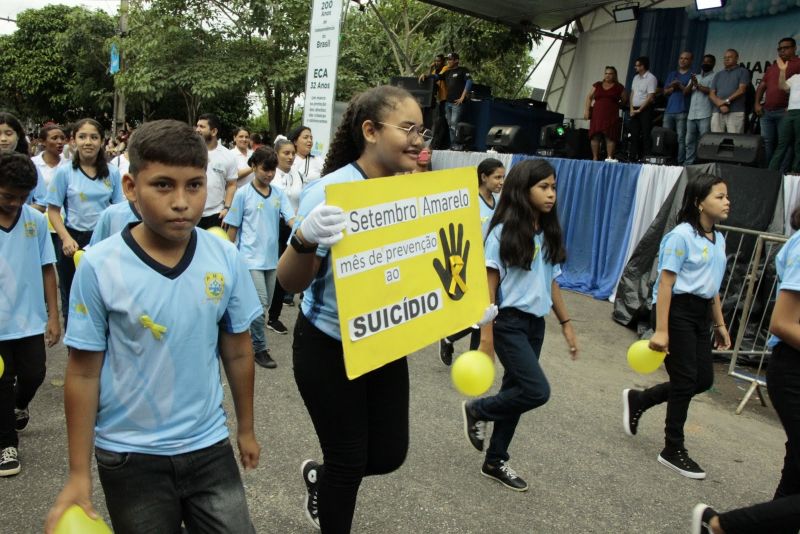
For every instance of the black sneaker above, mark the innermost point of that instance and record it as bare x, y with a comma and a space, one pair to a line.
310, 473
278, 327
631, 411
288, 300
680, 462
701, 517
265, 360
9, 463
23, 417
474, 428
506, 476
446, 352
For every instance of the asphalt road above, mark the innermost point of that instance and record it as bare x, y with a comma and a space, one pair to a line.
585, 474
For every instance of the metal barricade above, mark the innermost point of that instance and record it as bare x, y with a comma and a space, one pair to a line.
747, 306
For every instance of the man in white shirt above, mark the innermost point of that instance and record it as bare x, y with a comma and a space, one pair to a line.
643, 93
221, 173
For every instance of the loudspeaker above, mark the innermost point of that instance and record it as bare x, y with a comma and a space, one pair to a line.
422, 92
465, 137
551, 135
744, 149
509, 140
577, 144
664, 143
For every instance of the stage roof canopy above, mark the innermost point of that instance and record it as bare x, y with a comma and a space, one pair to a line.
522, 14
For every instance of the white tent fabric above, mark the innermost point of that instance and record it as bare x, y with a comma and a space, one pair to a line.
446, 159
652, 189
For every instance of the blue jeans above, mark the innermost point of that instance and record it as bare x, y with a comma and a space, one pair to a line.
149, 493
770, 121
518, 338
695, 129
452, 114
677, 123
265, 286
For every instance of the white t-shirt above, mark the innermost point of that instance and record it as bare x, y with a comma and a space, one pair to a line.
46, 170
641, 87
310, 168
123, 163
794, 92
241, 162
292, 185
222, 168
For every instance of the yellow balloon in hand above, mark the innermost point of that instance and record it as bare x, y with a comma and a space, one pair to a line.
473, 373
75, 521
643, 359
77, 257
219, 232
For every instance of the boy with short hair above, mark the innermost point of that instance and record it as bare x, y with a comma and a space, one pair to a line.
152, 309
254, 218
25, 322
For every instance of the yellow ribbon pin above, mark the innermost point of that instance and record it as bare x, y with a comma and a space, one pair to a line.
456, 266
156, 329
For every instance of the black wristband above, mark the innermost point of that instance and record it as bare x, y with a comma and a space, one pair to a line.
300, 247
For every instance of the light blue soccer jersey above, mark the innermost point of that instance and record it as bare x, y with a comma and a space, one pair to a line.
487, 211
526, 290
257, 218
160, 390
699, 263
787, 265
319, 300
24, 248
113, 220
39, 193
82, 198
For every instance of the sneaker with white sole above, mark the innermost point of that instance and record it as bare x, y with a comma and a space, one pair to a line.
679, 461
446, 350
632, 410
506, 476
701, 519
23, 417
309, 470
474, 428
278, 327
9, 462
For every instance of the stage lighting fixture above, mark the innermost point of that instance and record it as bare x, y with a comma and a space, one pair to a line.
627, 12
709, 4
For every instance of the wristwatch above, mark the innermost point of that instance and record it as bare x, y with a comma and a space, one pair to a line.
727, 101
300, 247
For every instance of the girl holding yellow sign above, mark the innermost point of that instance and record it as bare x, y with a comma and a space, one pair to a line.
362, 424
523, 250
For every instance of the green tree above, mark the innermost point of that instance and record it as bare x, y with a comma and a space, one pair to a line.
54, 66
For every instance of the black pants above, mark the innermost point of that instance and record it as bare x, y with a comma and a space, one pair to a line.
362, 424
275, 309
781, 515
24, 359
65, 265
209, 221
640, 126
474, 337
688, 364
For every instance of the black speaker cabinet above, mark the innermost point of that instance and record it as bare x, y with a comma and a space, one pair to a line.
422, 92
664, 143
509, 140
744, 149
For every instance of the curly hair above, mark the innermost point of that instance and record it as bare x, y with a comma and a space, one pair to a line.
371, 105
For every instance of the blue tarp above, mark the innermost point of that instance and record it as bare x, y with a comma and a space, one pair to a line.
595, 208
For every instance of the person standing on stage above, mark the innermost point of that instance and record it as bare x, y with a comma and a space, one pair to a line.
602, 111
776, 100
698, 122
728, 95
458, 83
643, 94
678, 89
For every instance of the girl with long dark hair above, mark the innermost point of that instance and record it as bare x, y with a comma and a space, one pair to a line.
362, 424
691, 264
524, 250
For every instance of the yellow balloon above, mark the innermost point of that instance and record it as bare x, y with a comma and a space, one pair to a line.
77, 257
75, 521
473, 373
2, 366
219, 232
643, 359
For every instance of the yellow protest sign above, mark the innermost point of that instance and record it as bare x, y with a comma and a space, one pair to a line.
410, 269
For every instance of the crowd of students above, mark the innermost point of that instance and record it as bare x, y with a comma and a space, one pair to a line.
156, 305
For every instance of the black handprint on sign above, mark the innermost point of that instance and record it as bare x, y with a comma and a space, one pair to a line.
453, 271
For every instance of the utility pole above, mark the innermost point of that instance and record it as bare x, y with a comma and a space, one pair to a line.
119, 95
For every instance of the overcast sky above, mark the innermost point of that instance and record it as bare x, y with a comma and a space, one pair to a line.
10, 8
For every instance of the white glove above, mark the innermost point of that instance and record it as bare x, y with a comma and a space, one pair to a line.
488, 315
323, 225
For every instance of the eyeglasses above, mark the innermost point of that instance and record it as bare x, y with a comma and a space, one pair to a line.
413, 131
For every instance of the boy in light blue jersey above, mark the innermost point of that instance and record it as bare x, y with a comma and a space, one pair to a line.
254, 218
27, 282
113, 220
155, 309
